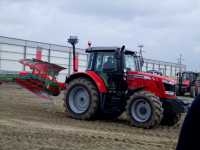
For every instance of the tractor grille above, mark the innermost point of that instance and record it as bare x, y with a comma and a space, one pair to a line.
169, 87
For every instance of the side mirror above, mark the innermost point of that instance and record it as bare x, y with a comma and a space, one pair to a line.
122, 48
119, 52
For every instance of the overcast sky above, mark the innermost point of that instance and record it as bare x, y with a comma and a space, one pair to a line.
166, 28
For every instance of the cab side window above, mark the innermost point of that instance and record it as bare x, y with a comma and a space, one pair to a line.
91, 57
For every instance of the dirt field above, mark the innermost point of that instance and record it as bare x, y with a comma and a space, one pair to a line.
30, 123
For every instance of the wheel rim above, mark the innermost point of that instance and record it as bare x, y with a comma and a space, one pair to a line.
79, 99
141, 110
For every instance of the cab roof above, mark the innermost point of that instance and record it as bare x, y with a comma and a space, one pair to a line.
189, 72
107, 49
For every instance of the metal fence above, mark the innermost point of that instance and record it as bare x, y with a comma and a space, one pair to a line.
167, 68
12, 50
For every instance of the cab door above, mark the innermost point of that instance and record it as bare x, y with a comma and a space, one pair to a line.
106, 66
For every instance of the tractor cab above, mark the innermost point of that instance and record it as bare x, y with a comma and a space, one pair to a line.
113, 59
112, 63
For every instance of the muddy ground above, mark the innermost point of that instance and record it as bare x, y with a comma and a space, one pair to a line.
30, 123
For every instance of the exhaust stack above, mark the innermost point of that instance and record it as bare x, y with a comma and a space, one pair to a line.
73, 40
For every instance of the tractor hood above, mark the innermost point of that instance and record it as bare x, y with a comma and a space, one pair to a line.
150, 76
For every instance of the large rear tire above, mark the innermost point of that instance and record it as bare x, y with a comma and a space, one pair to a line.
81, 99
144, 110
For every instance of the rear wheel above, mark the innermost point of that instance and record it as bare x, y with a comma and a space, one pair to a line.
81, 99
144, 110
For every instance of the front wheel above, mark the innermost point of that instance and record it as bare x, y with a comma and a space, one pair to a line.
144, 110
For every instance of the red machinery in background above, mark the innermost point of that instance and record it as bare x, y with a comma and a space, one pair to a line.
187, 82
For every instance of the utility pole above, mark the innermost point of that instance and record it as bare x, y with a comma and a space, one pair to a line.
180, 77
140, 56
0, 56
141, 49
180, 59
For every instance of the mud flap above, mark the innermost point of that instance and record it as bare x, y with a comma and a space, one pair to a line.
177, 105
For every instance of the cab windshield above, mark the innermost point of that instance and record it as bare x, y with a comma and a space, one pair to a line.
130, 63
133, 62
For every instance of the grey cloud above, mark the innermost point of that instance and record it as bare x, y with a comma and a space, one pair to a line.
166, 28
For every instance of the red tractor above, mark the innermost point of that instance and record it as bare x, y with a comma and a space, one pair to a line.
187, 83
113, 83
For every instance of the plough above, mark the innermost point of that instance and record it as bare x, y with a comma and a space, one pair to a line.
42, 80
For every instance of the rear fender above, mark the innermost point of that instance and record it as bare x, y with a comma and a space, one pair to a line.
95, 78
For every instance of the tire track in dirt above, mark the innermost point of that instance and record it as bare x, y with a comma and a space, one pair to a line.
26, 123
89, 135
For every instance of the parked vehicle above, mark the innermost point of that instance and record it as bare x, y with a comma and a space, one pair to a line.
186, 83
